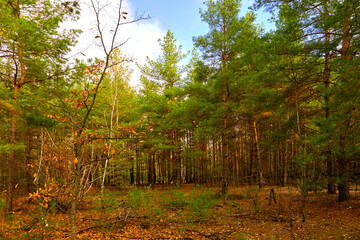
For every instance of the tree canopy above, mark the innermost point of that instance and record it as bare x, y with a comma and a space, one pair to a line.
245, 107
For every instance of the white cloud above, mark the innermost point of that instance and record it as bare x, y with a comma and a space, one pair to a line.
142, 36
143, 42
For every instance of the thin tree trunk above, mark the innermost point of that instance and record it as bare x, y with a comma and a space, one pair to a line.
327, 82
76, 189
14, 119
28, 162
343, 186
11, 159
110, 141
258, 151
224, 150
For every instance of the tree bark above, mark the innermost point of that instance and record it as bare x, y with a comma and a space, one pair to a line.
344, 191
76, 190
225, 150
327, 82
11, 159
343, 186
258, 151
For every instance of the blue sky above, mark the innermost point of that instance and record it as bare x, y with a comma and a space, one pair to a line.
180, 16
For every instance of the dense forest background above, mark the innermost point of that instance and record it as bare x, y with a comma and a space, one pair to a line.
249, 107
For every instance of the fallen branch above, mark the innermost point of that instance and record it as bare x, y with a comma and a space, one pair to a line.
30, 225
281, 219
98, 226
126, 213
207, 235
240, 215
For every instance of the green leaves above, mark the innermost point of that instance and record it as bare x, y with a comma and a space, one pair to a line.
165, 70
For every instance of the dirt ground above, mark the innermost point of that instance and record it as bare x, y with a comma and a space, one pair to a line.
235, 217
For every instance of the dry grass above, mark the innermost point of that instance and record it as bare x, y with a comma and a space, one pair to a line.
231, 218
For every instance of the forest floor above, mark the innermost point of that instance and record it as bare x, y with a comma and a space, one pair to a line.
189, 213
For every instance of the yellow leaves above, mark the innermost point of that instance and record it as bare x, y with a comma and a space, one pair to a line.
123, 15
34, 195
45, 205
76, 161
8, 107
42, 196
64, 119
127, 129
266, 114
259, 234
79, 104
2, 31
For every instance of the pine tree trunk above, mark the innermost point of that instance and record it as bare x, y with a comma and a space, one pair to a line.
344, 191
14, 119
327, 82
28, 162
224, 149
343, 186
258, 152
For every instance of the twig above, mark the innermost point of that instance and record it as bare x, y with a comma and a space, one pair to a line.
281, 219
207, 235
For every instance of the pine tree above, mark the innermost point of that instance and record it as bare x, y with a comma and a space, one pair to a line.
164, 74
32, 52
223, 49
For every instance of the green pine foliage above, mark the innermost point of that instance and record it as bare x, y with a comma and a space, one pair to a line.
247, 106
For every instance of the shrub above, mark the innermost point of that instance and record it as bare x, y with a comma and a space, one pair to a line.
177, 198
141, 199
202, 202
108, 202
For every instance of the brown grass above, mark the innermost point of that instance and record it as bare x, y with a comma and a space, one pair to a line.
231, 218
